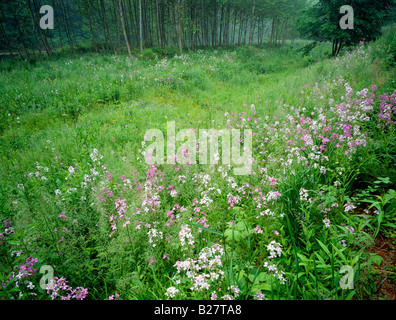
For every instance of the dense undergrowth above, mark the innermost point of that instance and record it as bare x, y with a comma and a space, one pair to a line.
77, 195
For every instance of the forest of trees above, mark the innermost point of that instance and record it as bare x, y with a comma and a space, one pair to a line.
112, 25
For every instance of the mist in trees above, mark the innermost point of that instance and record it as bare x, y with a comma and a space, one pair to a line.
116, 25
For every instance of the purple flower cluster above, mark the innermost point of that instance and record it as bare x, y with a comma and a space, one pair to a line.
60, 289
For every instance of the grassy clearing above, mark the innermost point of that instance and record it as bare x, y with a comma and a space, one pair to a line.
77, 195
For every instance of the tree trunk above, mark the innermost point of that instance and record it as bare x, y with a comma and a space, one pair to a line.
60, 37
44, 36
158, 24
106, 26
116, 19
284, 30
179, 24
251, 23
123, 27
337, 43
140, 26
234, 29
221, 23
192, 5
66, 25
92, 32
240, 29
272, 30
245, 32
214, 31
162, 19
132, 23
34, 28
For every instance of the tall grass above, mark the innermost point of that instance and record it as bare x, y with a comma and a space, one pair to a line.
78, 195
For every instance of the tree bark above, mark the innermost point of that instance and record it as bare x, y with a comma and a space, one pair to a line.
214, 31
272, 31
192, 5
234, 29
158, 24
123, 28
179, 24
251, 23
43, 35
140, 25
116, 19
66, 25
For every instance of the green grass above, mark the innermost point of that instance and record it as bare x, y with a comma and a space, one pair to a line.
54, 113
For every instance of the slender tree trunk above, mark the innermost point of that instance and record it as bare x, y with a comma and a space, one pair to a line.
214, 31
227, 26
339, 47
41, 36
272, 30
60, 37
193, 27
179, 24
285, 26
145, 26
240, 29
245, 32
92, 33
140, 26
102, 23
132, 23
337, 43
124, 28
32, 47
254, 29
151, 22
158, 24
278, 26
66, 25
106, 26
171, 26
58, 21
117, 22
97, 31
221, 24
162, 18
234, 28
70, 22
34, 29
251, 23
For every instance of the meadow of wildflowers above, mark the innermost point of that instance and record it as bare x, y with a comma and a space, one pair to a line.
77, 194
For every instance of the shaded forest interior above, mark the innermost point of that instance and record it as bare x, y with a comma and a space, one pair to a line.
113, 25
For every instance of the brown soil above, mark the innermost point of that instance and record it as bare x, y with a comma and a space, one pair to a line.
386, 278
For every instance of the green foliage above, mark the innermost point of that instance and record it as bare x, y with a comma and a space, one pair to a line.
321, 21
385, 48
277, 246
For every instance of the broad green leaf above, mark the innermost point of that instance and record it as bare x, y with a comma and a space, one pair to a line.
376, 259
340, 254
350, 295
207, 229
355, 260
302, 257
325, 249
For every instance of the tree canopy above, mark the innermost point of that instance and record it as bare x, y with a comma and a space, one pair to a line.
111, 25
321, 21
